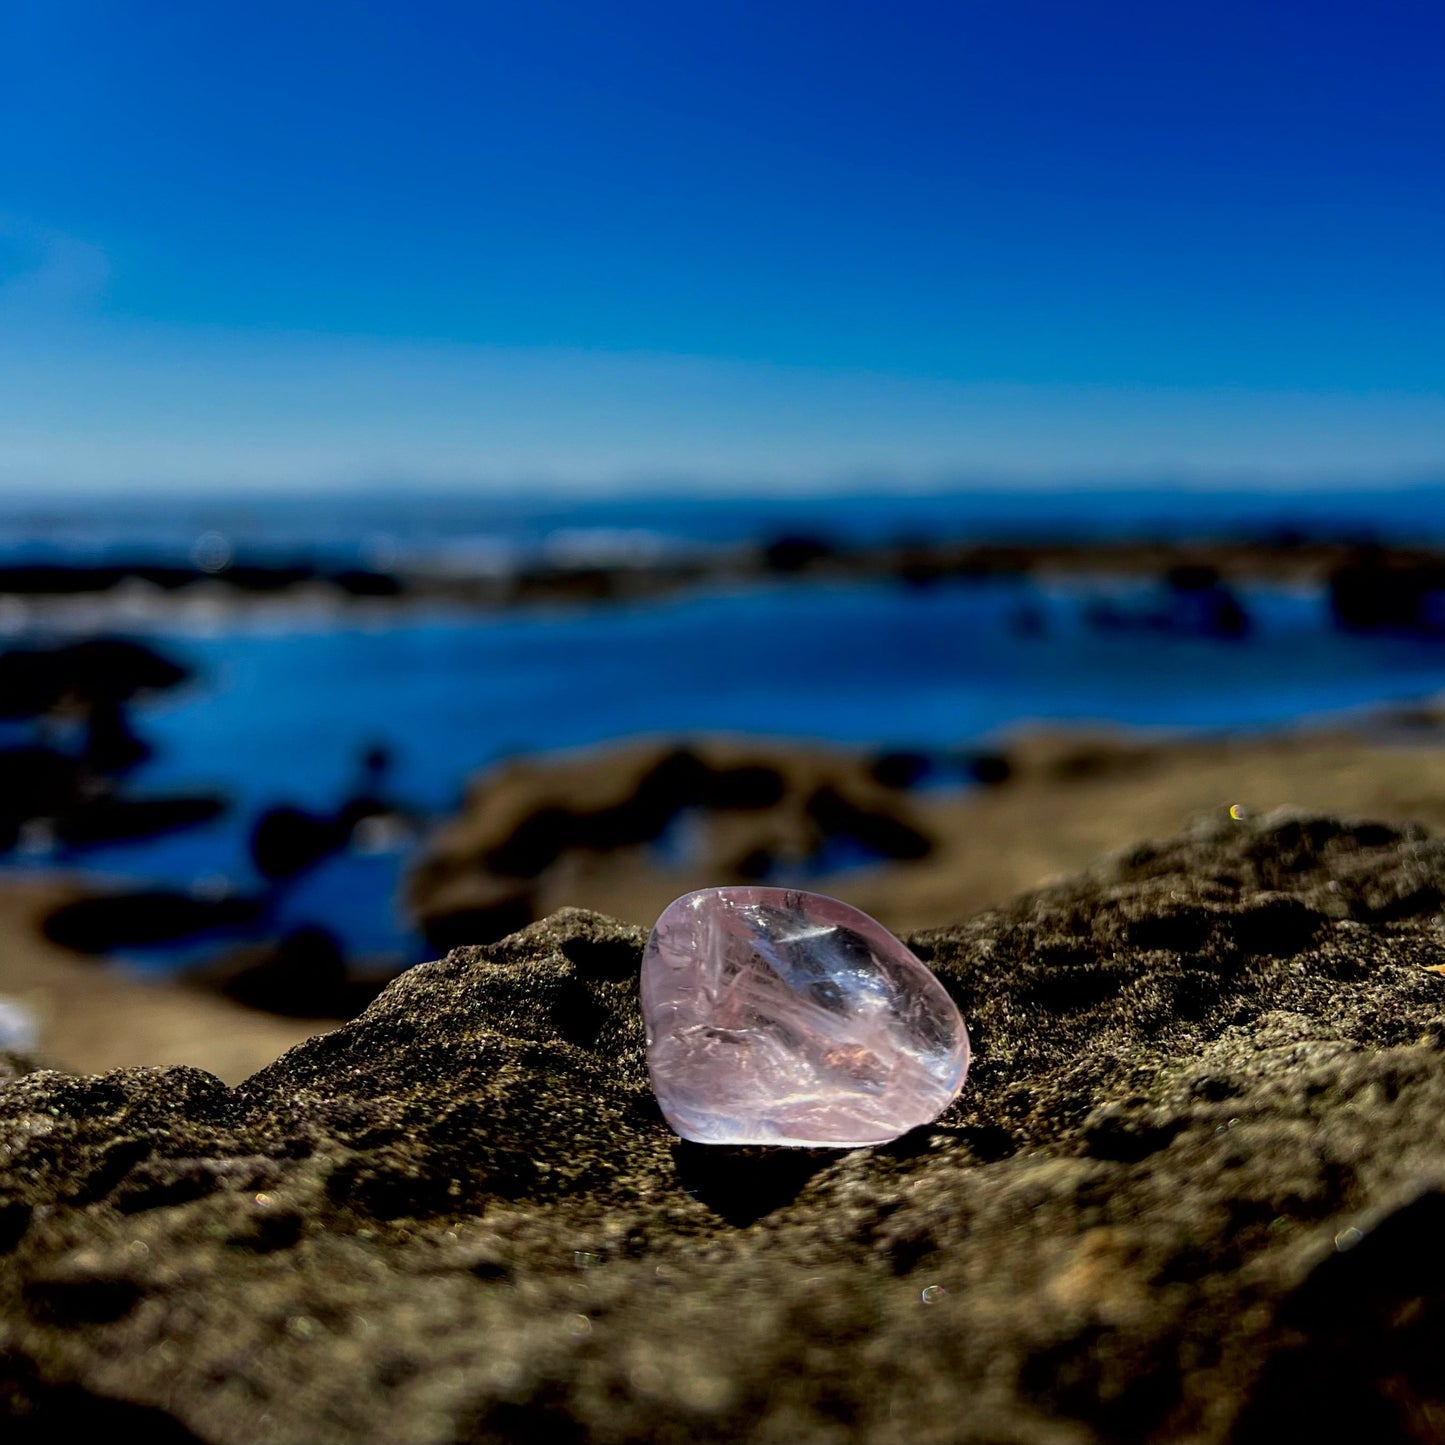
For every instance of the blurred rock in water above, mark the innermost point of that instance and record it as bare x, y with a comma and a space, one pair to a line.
876, 830
796, 552
1202, 604
472, 906
900, 769
71, 795
1374, 590
305, 974
106, 820
286, 841
98, 670
730, 810
112, 745
1192, 600
109, 922
36, 782
991, 768
356, 582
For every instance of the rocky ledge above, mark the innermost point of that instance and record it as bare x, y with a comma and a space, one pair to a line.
1195, 1189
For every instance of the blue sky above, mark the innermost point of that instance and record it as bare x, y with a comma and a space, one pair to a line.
743, 244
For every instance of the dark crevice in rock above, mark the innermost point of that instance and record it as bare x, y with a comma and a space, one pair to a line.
36, 1413
1355, 1350
742, 1185
614, 959
77, 1298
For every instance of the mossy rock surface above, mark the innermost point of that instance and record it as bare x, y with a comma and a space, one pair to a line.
1195, 1189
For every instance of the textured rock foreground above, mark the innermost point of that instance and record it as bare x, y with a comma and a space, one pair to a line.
1195, 1189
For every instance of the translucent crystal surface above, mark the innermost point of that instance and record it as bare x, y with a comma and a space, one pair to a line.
780, 1017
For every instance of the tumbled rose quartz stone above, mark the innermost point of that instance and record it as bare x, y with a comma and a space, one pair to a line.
780, 1017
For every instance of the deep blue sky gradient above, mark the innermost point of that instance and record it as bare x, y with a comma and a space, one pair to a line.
747, 242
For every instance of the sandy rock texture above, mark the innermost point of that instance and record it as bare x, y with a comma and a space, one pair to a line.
1194, 1189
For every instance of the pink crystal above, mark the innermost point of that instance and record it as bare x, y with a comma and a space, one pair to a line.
780, 1017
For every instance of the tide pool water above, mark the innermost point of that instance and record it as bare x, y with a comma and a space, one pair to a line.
281, 711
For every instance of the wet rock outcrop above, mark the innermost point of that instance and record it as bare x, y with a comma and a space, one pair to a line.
1377, 591
1193, 1190
74, 796
661, 814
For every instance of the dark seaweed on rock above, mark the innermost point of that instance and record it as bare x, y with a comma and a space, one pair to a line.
1192, 1191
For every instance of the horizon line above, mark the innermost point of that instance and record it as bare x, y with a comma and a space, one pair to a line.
646, 486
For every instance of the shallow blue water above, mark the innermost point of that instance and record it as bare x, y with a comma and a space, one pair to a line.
285, 712
281, 714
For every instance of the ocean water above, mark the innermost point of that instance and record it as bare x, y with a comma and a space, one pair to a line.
284, 704
422, 528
